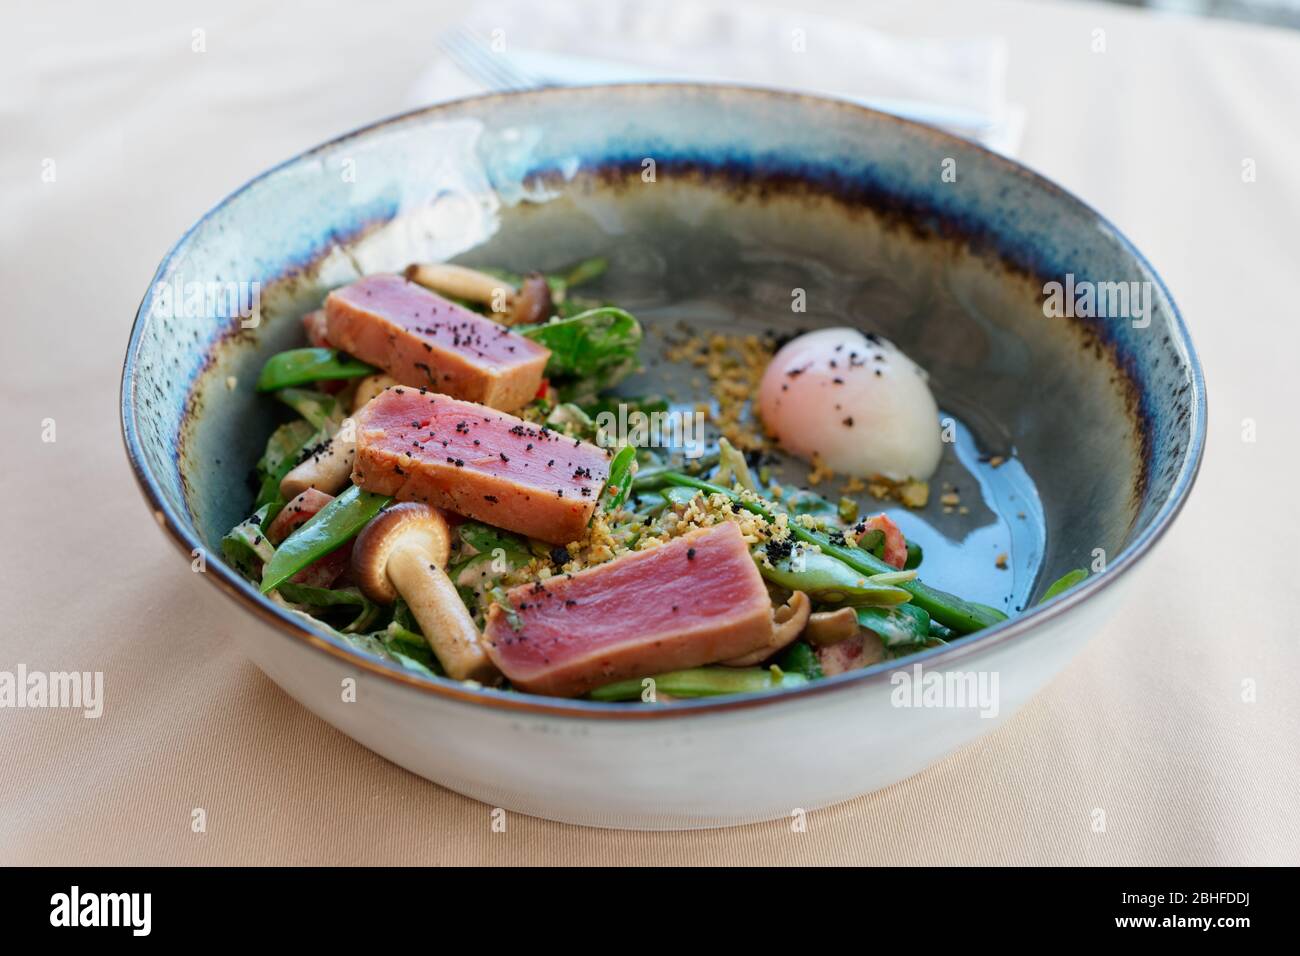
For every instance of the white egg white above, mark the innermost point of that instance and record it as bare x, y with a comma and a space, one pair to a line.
854, 400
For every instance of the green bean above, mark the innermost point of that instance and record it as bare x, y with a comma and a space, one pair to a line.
800, 658
655, 475
828, 580
330, 528
702, 682
948, 609
586, 271
300, 366
896, 626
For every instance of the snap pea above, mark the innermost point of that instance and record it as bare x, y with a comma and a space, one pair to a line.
948, 609
703, 682
331, 527
300, 366
828, 580
321, 410
905, 624
1063, 584
619, 483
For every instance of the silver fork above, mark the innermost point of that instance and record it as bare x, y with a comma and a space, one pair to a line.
494, 70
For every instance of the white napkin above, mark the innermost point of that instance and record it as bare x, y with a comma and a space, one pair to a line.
955, 83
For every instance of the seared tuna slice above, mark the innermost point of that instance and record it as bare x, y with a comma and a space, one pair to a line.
479, 462
426, 341
694, 600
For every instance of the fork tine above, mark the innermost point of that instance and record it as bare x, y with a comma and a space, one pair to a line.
469, 53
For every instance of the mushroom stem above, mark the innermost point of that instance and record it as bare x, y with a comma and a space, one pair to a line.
463, 283
328, 470
831, 627
443, 617
788, 622
369, 387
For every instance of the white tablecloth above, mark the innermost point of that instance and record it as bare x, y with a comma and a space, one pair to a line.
1149, 725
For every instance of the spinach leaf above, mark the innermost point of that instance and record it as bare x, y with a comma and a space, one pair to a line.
484, 538
364, 615
245, 547
321, 410
590, 351
282, 450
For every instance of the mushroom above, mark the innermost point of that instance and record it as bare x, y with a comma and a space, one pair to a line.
369, 387
532, 303
529, 304
831, 627
463, 283
404, 551
788, 622
328, 468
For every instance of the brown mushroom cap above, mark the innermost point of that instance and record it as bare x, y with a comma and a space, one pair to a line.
410, 524
532, 303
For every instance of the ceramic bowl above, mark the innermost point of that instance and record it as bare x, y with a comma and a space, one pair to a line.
713, 205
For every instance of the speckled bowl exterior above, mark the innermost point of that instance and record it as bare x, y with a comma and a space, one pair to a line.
943, 246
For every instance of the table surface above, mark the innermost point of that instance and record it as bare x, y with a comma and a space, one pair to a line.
1152, 724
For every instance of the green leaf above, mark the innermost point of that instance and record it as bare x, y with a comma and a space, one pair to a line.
300, 366
245, 547
590, 351
321, 410
327, 598
411, 650
484, 538
283, 449
800, 658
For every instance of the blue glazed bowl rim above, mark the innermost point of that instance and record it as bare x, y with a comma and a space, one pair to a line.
248, 597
